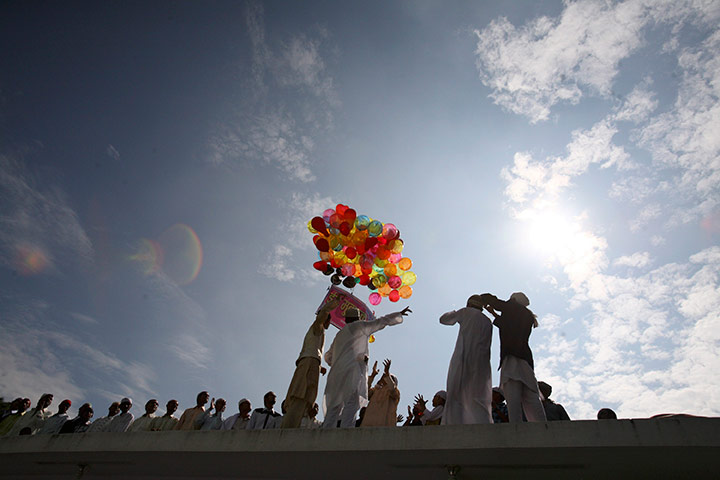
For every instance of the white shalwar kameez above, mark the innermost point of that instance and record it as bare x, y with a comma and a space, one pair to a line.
346, 389
469, 380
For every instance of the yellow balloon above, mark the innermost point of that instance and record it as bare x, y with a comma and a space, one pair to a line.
310, 227
397, 246
408, 278
371, 339
390, 270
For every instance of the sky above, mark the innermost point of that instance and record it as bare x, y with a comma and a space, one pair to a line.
159, 163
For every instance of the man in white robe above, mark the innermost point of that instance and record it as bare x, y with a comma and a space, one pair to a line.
209, 420
240, 420
167, 421
121, 422
53, 424
469, 381
101, 424
144, 423
346, 390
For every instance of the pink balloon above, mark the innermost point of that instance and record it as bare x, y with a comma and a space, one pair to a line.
395, 281
374, 298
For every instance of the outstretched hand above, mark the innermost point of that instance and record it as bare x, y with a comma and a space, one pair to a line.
420, 401
405, 311
400, 418
386, 364
212, 403
374, 369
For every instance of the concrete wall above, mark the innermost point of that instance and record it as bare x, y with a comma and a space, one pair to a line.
663, 448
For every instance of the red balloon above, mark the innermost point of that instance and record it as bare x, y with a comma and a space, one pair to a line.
341, 209
350, 215
319, 224
383, 253
394, 296
321, 266
322, 245
344, 228
351, 253
370, 242
364, 280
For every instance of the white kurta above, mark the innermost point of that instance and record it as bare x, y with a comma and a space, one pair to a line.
120, 423
347, 357
234, 422
53, 424
142, 424
469, 381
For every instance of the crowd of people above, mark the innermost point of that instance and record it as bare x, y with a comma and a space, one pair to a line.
350, 398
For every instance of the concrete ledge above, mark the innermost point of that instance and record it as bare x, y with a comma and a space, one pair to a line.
670, 447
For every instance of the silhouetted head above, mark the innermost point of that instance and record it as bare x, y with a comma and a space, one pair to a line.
45, 401
521, 298
244, 407
151, 406
313, 410
171, 407
352, 314
475, 301
269, 399
64, 406
497, 395
125, 405
202, 398
25, 404
220, 404
439, 398
606, 414
113, 409
86, 412
545, 390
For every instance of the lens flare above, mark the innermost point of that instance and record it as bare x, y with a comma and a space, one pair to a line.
149, 256
177, 252
30, 260
183, 254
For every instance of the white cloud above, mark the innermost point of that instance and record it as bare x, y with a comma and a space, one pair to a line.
280, 262
548, 61
283, 111
39, 230
541, 182
83, 318
638, 105
636, 260
190, 350
44, 358
113, 152
558, 60
688, 136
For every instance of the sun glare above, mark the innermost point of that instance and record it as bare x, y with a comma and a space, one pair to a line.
549, 232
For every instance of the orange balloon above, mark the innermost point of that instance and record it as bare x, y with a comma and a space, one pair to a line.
390, 270
384, 290
405, 291
405, 264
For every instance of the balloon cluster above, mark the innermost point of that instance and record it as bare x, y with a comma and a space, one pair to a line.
355, 249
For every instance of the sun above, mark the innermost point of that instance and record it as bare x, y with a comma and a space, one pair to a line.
550, 231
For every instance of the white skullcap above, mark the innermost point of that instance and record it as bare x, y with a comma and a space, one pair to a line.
520, 298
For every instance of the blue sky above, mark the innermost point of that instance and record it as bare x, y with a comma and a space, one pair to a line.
570, 150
